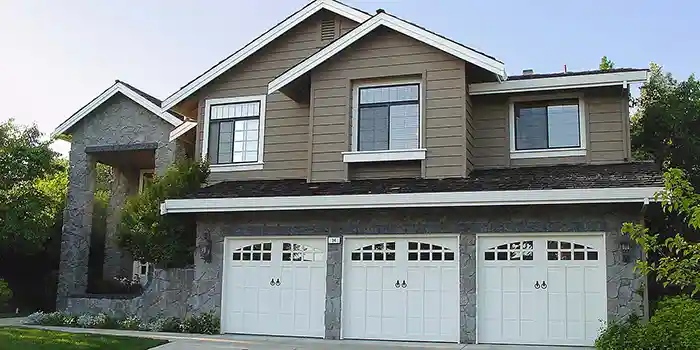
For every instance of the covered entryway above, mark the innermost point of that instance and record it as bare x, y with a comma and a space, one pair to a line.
401, 288
274, 286
541, 289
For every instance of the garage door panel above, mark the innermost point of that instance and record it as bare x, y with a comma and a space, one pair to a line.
273, 287
560, 289
402, 282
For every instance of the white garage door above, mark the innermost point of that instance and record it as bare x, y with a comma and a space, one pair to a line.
274, 286
541, 289
401, 289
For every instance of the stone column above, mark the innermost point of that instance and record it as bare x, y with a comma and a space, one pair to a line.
334, 277
167, 154
77, 226
117, 262
467, 287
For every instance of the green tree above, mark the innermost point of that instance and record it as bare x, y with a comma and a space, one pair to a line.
606, 64
666, 123
27, 205
166, 240
678, 262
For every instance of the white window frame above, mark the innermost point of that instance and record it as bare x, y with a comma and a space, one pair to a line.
355, 156
547, 153
205, 139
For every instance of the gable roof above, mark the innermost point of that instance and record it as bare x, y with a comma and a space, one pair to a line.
145, 100
261, 41
384, 19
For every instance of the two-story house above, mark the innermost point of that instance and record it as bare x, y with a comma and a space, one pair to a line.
371, 179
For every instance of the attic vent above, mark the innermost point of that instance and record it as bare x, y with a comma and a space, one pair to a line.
328, 29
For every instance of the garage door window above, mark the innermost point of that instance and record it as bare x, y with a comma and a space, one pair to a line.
300, 252
562, 250
375, 252
521, 250
254, 252
429, 252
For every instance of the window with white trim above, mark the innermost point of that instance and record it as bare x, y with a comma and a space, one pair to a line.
234, 135
388, 117
548, 127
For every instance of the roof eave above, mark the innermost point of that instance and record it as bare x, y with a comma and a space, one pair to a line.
406, 28
257, 44
559, 83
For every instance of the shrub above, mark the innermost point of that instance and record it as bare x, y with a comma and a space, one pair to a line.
56, 318
674, 326
165, 240
158, 324
205, 323
131, 323
5, 293
100, 320
36, 318
621, 335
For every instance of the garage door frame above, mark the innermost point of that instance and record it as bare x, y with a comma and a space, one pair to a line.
226, 253
456, 236
601, 234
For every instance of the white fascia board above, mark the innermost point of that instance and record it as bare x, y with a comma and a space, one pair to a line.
182, 129
558, 83
257, 44
413, 200
384, 156
398, 25
106, 95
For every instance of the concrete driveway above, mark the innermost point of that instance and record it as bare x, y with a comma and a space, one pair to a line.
179, 341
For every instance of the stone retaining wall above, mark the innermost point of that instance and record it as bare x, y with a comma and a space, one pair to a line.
166, 295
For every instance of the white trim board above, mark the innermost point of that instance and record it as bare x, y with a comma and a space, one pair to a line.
413, 200
401, 26
118, 87
257, 44
558, 83
181, 130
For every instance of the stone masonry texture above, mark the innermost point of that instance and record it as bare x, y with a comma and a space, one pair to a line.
624, 286
117, 122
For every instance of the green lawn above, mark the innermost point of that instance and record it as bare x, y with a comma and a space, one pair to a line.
37, 339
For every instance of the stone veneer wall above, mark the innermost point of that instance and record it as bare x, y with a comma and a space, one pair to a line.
117, 122
624, 286
165, 295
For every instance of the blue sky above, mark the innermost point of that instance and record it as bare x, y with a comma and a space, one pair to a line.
57, 55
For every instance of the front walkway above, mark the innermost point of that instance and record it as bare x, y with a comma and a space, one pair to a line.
181, 341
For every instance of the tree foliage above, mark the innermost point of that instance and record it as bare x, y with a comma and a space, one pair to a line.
665, 126
606, 64
678, 262
32, 188
166, 240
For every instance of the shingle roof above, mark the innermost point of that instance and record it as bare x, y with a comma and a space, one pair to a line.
527, 178
567, 74
149, 97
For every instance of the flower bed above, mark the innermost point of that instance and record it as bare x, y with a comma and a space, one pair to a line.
205, 323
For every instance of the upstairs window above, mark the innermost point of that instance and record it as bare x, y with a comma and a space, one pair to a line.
235, 131
388, 118
547, 125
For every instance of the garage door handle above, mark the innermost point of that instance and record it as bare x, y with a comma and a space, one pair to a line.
277, 283
403, 285
544, 285
537, 284
397, 285
272, 282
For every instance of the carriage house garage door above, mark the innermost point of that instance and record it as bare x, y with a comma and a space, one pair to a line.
401, 288
541, 289
274, 286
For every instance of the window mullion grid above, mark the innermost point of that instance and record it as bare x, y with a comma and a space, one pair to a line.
245, 141
388, 105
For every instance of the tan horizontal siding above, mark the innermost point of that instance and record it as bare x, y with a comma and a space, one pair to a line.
383, 54
286, 143
607, 131
607, 128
